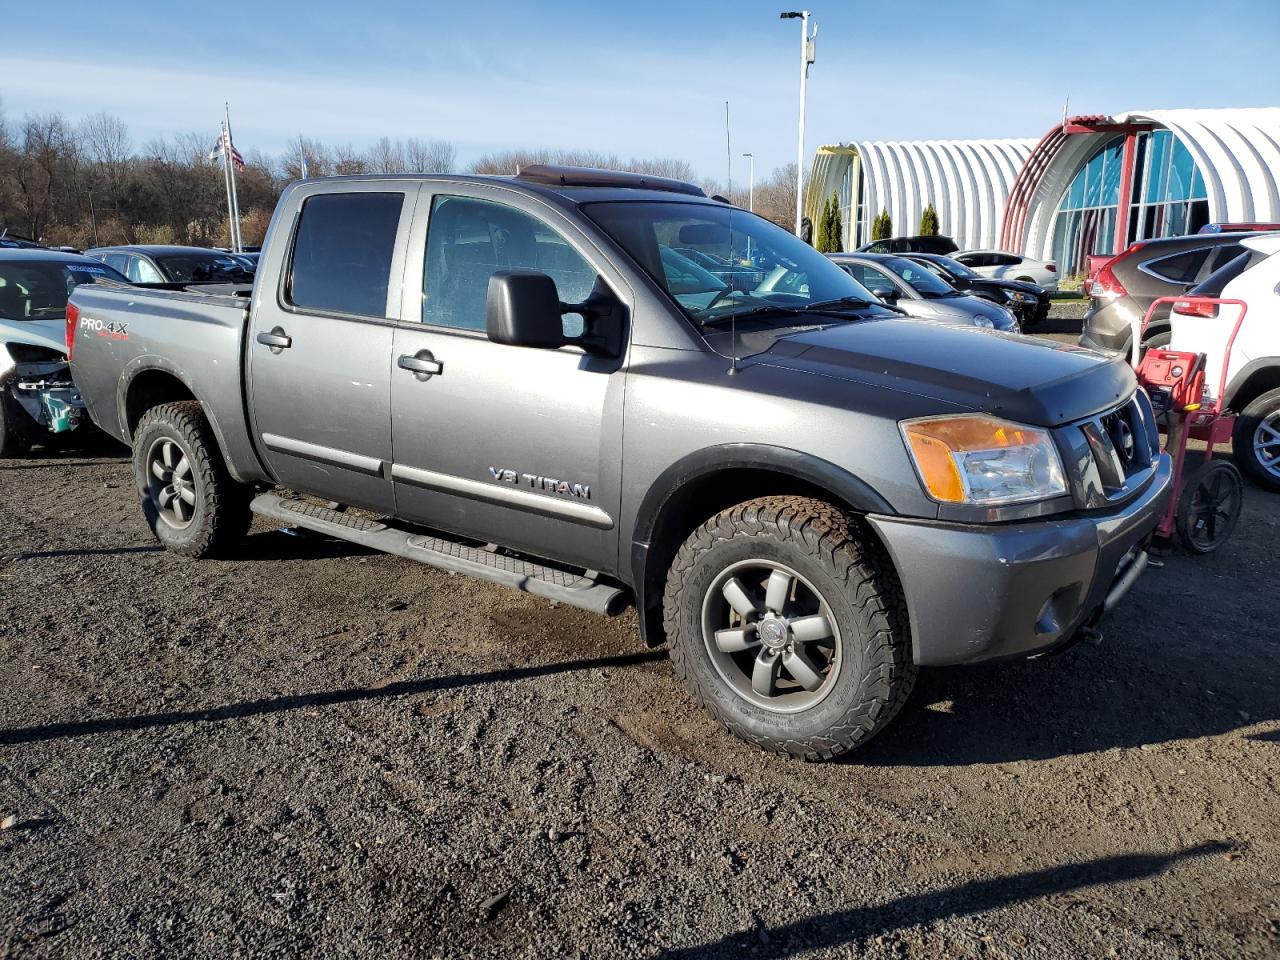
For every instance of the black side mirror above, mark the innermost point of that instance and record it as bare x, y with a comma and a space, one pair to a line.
887, 294
522, 309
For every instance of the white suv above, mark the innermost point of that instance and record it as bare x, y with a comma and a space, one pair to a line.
1251, 385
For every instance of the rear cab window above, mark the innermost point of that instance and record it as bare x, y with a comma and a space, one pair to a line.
343, 249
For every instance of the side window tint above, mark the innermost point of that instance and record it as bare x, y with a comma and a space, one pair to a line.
469, 240
119, 261
343, 251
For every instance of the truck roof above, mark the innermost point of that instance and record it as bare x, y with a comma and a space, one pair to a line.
578, 184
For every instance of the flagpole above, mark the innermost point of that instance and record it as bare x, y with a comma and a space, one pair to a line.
226, 179
235, 198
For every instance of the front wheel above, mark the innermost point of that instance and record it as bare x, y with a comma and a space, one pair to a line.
1256, 441
789, 627
191, 502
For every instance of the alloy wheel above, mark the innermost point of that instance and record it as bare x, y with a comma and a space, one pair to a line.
172, 483
771, 636
1266, 443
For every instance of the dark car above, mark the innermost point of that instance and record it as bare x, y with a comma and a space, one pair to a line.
932, 244
159, 263
1126, 286
1027, 301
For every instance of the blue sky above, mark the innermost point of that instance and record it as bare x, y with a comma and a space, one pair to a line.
636, 79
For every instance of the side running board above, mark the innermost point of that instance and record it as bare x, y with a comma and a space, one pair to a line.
580, 589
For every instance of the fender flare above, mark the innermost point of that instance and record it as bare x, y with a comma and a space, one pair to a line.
146, 364
784, 461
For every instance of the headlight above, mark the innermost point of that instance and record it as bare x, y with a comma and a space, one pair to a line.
983, 460
1017, 296
983, 322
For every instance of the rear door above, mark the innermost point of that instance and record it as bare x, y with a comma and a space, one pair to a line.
319, 351
513, 445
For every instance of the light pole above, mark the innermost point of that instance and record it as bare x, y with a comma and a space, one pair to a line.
751, 182
806, 57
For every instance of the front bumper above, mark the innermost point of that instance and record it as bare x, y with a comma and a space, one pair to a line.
982, 592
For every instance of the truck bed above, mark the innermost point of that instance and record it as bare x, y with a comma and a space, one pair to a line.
129, 340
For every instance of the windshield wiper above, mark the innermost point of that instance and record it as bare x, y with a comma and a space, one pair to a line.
779, 309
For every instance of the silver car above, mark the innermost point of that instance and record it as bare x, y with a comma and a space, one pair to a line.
922, 293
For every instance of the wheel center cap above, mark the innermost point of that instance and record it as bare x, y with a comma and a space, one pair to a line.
773, 633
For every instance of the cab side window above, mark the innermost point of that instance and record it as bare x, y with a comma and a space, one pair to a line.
469, 240
342, 253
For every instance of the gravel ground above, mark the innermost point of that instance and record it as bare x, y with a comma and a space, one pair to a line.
313, 750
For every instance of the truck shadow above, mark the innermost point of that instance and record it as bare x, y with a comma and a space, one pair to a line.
1086, 701
323, 698
295, 545
840, 928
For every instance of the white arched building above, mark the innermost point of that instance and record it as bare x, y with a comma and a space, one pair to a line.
1091, 185
967, 181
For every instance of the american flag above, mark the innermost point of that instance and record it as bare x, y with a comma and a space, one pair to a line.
224, 144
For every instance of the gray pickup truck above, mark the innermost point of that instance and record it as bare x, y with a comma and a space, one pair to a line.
805, 493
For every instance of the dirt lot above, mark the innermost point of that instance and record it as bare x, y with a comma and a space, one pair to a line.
313, 750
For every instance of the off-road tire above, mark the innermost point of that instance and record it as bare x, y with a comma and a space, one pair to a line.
15, 432
852, 573
1242, 440
221, 517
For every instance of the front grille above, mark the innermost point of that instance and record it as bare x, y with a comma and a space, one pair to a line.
1124, 442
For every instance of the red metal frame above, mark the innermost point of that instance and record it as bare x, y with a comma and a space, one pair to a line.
1212, 424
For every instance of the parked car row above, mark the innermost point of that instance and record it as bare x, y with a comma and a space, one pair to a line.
995, 264
167, 263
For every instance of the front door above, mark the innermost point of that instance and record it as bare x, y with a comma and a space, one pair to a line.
514, 445
320, 347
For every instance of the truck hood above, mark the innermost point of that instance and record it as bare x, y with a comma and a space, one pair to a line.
37, 333
1039, 382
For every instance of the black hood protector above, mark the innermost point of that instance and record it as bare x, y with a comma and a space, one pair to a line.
1025, 379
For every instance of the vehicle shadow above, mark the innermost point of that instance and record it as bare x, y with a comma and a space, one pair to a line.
323, 698
299, 545
83, 552
856, 925
1087, 700
52, 462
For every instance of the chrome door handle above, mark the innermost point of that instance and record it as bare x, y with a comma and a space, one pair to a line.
422, 364
277, 340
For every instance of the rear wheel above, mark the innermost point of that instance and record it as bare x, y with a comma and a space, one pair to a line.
15, 427
191, 503
789, 627
1209, 506
1256, 441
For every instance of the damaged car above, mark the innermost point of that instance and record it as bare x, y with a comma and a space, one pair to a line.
37, 396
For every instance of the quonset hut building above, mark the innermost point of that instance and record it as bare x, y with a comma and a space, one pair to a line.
1091, 185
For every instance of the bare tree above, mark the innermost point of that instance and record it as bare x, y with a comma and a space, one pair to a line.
387, 156
300, 148
430, 156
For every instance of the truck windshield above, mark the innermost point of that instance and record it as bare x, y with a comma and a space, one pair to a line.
38, 289
718, 262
